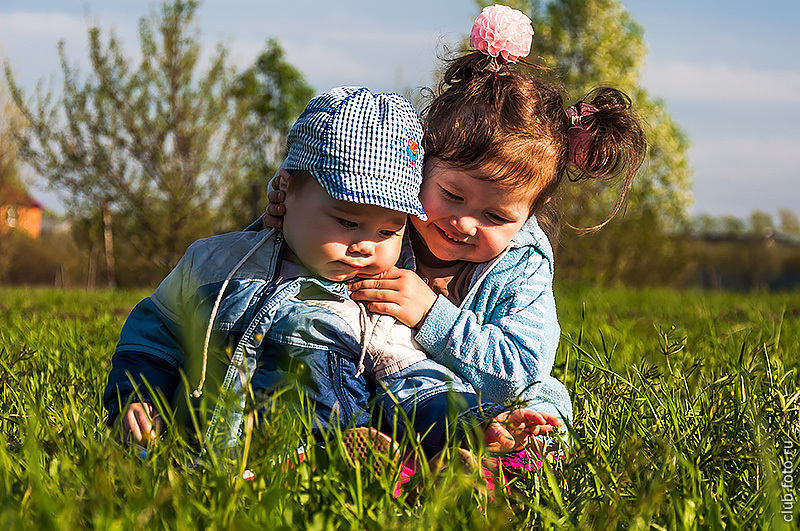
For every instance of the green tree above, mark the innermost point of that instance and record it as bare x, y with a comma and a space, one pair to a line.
761, 223
789, 222
11, 187
732, 226
9, 121
272, 93
592, 43
158, 142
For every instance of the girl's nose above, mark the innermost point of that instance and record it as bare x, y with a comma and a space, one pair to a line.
465, 225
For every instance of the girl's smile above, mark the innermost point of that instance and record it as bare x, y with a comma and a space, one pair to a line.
469, 218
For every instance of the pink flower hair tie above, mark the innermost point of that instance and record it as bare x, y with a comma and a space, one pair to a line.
578, 135
502, 30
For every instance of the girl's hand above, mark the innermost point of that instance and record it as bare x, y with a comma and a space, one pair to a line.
142, 423
273, 218
511, 430
397, 292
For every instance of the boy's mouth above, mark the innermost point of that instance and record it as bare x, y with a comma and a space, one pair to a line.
351, 265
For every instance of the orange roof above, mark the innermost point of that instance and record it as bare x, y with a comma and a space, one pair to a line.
11, 195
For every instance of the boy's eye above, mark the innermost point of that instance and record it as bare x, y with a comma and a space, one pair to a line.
390, 233
346, 223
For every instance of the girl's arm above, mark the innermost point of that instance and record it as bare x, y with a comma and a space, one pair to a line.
501, 350
509, 346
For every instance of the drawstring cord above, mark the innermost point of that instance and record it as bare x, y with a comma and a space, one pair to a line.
367, 329
199, 391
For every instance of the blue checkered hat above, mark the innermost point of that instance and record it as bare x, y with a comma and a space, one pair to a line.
361, 147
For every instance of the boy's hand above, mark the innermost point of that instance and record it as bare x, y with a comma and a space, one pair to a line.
397, 292
141, 423
511, 431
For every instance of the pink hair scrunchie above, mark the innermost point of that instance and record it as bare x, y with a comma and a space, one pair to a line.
502, 30
578, 135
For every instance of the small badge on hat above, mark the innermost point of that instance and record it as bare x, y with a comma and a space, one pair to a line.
412, 149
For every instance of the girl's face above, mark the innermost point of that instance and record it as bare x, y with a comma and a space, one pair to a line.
469, 219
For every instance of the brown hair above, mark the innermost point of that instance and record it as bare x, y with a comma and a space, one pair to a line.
487, 115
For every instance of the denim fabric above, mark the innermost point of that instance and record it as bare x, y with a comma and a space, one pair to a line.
434, 420
500, 342
503, 337
163, 339
419, 382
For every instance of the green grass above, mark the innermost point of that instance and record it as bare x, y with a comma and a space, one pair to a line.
683, 401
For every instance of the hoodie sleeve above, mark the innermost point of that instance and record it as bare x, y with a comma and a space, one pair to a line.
150, 350
507, 350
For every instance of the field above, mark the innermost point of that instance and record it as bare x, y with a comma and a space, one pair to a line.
686, 418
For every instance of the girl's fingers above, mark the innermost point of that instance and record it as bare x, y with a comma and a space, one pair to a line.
276, 209
527, 416
370, 281
145, 424
387, 308
498, 438
548, 418
373, 295
276, 196
158, 425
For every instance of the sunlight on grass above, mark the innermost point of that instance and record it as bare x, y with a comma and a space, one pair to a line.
685, 405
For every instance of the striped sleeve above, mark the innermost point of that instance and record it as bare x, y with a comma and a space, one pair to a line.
505, 351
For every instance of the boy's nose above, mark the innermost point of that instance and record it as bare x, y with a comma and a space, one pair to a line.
466, 225
362, 247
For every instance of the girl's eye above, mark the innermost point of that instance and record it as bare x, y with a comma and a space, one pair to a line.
346, 223
450, 195
494, 218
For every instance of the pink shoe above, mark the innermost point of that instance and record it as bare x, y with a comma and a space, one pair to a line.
528, 460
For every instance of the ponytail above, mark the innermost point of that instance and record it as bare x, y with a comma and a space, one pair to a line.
606, 141
488, 114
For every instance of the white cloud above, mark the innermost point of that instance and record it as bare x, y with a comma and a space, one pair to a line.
759, 160
721, 83
28, 25
736, 175
313, 58
30, 41
365, 55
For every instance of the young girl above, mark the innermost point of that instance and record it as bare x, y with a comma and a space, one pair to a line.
477, 278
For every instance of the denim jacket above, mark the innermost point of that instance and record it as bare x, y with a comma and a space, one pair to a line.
257, 313
162, 339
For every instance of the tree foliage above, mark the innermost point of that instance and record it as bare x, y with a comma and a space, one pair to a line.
272, 93
9, 121
156, 141
167, 141
590, 43
11, 187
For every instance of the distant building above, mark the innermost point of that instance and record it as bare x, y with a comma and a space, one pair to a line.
18, 210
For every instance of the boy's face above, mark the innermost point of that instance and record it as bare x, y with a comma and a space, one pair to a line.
339, 240
469, 219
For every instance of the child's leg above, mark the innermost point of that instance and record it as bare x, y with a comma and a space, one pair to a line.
318, 378
433, 420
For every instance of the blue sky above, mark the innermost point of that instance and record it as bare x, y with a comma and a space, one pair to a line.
727, 70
